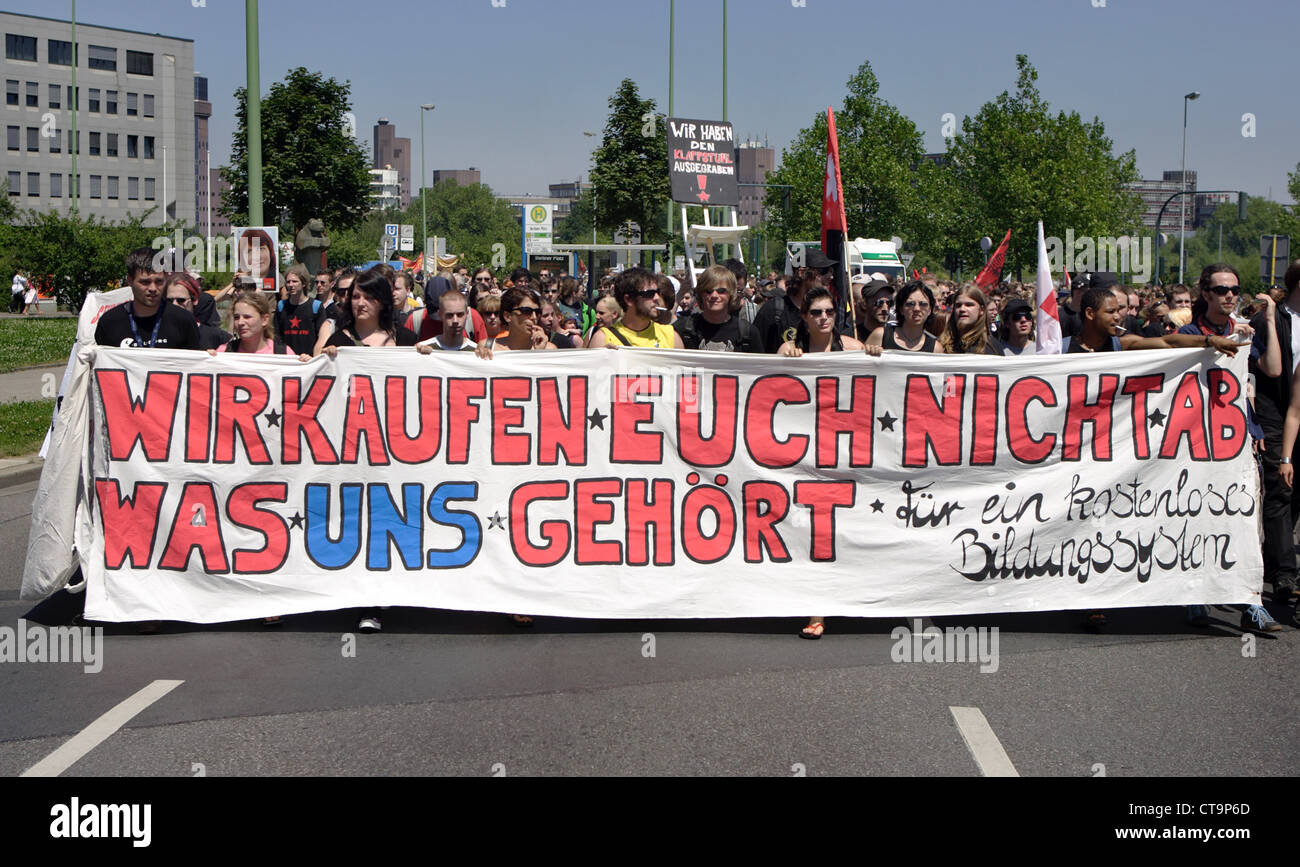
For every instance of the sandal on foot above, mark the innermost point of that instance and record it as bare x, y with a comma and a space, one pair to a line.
813, 631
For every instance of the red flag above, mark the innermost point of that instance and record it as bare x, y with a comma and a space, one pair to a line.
916, 275
834, 223
992, 272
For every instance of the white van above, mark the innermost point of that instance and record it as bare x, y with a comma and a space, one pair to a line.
865, 255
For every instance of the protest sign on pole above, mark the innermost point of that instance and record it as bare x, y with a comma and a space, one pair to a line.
702, 162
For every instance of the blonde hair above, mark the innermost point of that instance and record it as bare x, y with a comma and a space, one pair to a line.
260, 302
714, 276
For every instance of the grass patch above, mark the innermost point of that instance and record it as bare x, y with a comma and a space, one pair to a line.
31, 342
23, 426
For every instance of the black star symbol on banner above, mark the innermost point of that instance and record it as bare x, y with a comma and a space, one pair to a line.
295, 523
496, 522
877, 506
272, 418
596, 419
886, 421
1156, 417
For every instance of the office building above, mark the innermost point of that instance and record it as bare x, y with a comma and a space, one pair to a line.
392, 152
753, 163
462, 177
385, 189
136, 128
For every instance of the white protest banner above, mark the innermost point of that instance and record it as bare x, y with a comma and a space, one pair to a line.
644, 483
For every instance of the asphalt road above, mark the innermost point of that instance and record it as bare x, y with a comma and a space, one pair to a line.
470, 694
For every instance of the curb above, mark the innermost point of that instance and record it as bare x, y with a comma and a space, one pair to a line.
27, 470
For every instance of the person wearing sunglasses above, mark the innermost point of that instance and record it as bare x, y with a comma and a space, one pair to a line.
916, 308
1220, 292
1017, 329
637, 291
183, 291
521, 309
715, 326
816, 333
872, 305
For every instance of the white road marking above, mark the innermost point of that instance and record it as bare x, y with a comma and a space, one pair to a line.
984, 746
100, 730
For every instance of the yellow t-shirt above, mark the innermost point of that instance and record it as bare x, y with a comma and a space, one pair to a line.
653, 336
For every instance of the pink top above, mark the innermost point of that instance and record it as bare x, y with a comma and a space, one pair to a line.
268, 348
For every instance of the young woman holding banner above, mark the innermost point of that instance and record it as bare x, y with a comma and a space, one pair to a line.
817, 334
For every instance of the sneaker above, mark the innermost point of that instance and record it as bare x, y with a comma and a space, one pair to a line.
1256, 619
1198, 615
369, 624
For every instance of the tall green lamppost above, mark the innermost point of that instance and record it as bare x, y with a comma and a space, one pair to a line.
424, 179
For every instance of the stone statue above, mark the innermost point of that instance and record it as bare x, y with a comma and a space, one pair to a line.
311, 244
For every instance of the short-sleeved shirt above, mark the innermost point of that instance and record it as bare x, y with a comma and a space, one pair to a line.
177, 330
298, 326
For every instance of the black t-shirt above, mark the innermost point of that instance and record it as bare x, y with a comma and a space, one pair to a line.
405, 337
211, 337
177, 330
776, 322
730, 336
1110, 344
298, 326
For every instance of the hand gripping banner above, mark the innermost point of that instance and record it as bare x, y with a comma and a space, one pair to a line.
646, 483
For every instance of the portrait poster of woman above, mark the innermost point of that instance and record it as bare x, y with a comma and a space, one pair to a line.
258, 248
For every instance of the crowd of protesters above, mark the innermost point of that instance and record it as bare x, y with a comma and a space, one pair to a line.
726, 309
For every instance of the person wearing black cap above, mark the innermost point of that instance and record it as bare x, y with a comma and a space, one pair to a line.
1071, 311
873, 305
1017, 329
778, 319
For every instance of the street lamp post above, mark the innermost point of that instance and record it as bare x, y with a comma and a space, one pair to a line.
424, 179
1182, 224
254, 115
590, 134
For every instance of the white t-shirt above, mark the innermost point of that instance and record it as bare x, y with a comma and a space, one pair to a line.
20, 284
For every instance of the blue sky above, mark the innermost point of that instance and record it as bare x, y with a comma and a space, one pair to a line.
517, 84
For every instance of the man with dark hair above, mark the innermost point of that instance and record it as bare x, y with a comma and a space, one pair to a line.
1281, 505
145, 320
521, 277
637, 292
778, 319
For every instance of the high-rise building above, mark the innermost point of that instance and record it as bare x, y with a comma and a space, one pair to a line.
202, 112
753, 163
391, 152
1154, 195
135, 108
462, 177
219, 188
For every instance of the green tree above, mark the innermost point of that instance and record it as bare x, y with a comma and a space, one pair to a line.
1016, 163
311, 164
473, 221
630, 177
71, 255
880, 168
576, 227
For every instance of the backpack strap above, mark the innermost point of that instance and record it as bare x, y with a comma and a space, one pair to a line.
619, 335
